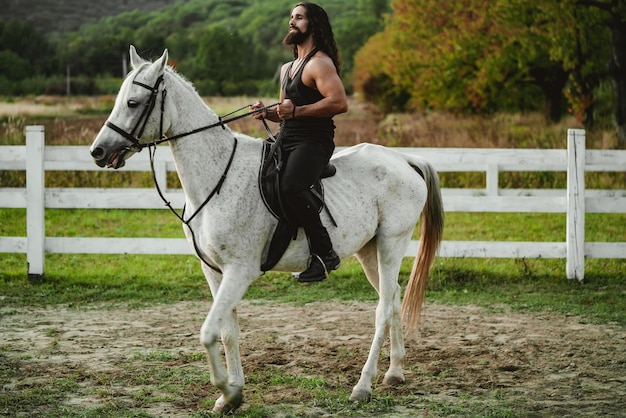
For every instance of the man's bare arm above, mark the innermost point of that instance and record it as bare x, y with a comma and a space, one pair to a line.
322, 75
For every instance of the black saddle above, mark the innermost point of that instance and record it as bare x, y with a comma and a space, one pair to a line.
269, 185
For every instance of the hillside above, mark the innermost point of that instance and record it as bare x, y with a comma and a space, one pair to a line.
68, 15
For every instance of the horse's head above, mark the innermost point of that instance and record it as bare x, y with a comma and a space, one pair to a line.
138, 117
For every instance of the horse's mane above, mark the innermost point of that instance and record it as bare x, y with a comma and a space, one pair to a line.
168, 69
186, 82
188, 85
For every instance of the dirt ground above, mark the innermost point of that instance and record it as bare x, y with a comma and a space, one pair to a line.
553, 365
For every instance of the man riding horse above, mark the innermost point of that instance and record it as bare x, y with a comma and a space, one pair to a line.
311, 94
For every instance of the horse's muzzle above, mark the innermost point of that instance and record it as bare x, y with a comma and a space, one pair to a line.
110, 160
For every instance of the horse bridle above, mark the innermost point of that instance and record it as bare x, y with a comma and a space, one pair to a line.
134, 136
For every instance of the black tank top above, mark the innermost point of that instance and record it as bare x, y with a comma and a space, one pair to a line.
304, 128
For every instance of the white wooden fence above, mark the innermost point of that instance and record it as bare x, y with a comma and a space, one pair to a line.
575, 201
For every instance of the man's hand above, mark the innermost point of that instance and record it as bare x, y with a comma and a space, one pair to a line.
286, 109
261, 114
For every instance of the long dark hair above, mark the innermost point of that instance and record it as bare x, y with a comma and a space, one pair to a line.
322, 32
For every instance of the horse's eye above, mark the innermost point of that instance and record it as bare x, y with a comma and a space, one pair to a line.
133, 103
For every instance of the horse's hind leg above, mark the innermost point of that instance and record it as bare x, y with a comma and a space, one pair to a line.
368, 258
395, 374
230, 399
387, 312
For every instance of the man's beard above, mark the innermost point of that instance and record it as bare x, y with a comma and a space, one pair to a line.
296, 38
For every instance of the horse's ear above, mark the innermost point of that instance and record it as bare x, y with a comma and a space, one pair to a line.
163, 61
135, 59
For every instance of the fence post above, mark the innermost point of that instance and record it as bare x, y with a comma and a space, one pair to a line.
575, 228
492, 180
35, 231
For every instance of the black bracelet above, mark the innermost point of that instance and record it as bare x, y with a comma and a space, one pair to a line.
293, 114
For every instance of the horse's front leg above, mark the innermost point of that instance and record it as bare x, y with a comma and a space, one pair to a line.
222, 321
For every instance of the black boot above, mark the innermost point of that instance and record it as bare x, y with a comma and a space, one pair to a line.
319, 267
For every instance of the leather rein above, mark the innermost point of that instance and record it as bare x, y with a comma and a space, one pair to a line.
134, 136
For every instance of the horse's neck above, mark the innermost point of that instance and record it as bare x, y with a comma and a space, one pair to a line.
200, 158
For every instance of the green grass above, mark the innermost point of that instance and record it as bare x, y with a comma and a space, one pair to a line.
183, 380
530, 285
148, 378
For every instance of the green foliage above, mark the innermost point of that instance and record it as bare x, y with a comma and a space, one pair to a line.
471, 56
479, 56
373, 76
54, 16
353, 27
13, 66
219, 59
24, 59
225, 48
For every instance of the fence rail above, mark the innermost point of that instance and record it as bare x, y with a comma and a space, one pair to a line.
575, 201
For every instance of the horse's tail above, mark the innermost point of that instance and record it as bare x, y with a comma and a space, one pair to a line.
430, 237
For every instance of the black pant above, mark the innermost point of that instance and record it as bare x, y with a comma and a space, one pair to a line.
303, 165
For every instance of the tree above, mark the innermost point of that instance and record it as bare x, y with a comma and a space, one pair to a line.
12, 66
221, 58
577, 43
463, 58
96, 49
24, 49
372, 76
353, 27
614, 16
482, 56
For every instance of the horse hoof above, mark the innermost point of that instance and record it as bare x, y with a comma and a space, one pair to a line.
224, 407
393, 380
360, 395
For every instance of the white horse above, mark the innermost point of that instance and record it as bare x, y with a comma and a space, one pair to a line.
376, 198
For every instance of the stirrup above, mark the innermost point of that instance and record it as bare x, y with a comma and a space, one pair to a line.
319, 268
